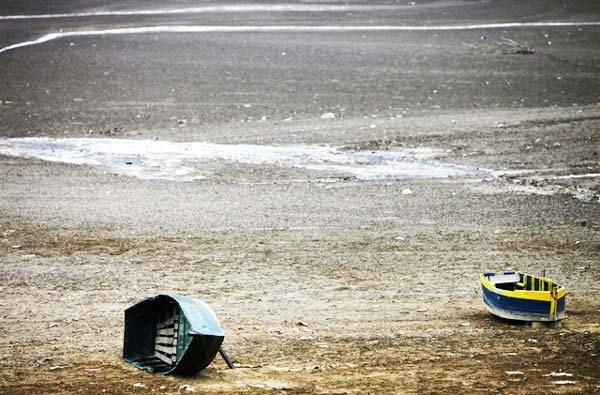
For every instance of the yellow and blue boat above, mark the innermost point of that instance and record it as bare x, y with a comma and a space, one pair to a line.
523, 297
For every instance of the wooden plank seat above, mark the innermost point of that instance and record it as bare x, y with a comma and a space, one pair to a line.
504, 278
165, 341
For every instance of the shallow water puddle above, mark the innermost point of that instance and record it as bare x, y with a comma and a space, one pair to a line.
150, 159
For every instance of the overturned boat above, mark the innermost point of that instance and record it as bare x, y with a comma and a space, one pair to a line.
171, 334
523, 297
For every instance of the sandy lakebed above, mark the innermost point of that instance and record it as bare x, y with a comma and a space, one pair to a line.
332, 195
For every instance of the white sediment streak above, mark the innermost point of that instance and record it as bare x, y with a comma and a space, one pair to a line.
211, 9
575, 176
166, 160
290, 29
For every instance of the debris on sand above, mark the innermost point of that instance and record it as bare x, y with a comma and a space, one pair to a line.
113, 132
564, 382
407, 192
514, 373
559, 374
139, 385
509, 46
587, 196
328, 115
505, 45
187, 388
58, 367
271, 384
243, 366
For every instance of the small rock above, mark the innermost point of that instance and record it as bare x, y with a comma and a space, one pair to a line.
514, 373
187, 388
139, 385
302, 323
328, 115
407, 191
465, 324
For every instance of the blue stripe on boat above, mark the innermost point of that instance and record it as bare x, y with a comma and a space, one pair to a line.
516, 307
560, 306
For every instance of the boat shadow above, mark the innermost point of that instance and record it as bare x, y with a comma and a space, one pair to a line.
493, 320
487, 319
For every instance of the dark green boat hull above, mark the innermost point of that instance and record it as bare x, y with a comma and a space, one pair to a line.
197, 336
